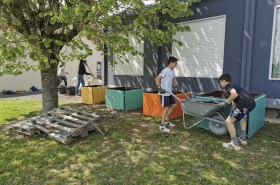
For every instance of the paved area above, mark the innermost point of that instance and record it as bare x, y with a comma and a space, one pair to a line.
272, 115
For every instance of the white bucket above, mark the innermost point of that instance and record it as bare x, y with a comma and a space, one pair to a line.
88, 81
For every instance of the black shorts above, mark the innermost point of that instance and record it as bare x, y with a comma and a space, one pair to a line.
239, 114
166, 101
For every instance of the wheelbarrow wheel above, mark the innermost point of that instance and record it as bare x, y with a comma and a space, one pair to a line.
217, 128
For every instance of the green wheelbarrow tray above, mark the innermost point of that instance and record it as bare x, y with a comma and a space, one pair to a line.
206, 110
200, 108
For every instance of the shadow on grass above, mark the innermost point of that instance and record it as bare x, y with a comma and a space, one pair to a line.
135, 152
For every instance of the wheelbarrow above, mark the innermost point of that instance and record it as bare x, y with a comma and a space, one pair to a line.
206, 110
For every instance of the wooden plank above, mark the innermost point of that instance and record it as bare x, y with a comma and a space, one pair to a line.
86, 116
57, 137
79, 116
68, 118
44, 121
42, 128
87, 95
103, 134
77, 111
63, 121
90, 114
119, 99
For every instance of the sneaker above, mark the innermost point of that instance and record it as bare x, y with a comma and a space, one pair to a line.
231, 146
169, 124
163, 128
77, 96
243, 142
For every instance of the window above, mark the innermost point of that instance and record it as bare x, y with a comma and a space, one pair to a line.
135, 66
98, 66
274, 71
202, 53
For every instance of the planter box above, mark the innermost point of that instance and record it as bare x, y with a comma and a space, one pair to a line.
93, 94
152, 106
255, 119
70, 90
62, 89
124, 98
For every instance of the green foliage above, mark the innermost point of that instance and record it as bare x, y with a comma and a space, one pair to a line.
40, 29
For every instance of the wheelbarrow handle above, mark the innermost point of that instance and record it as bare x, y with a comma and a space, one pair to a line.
181, 91
187, 97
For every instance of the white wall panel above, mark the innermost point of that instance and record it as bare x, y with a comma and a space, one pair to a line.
202, 52
135, 66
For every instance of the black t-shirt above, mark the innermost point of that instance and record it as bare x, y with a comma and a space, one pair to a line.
244, 99
82, 70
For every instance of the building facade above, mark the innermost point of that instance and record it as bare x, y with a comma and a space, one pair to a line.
234, 36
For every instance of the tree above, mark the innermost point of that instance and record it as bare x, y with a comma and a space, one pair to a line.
39, 29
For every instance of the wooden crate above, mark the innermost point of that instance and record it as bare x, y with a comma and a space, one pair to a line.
124, 98
152, 106
93, 94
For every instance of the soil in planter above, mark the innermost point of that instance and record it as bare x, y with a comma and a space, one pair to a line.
224, 94
124, 88
156, 92
94, 86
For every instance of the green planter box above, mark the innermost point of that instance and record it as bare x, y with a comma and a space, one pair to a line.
255, 120
124, 98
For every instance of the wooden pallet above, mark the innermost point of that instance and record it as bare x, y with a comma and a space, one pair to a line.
62, 124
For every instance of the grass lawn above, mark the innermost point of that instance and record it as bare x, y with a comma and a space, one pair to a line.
15, 109
134, 152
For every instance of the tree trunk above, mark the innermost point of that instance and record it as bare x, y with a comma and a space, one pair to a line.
49, 87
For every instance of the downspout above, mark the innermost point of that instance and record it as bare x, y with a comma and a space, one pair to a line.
247, 44
105, 65
159, 60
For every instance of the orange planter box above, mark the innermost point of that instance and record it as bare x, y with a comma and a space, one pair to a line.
152, 106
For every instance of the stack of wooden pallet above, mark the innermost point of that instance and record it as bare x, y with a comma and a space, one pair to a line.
62, 124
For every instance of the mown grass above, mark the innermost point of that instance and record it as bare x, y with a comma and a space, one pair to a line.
134, 151
15, 109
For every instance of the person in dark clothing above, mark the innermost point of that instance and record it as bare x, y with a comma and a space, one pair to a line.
242, 104
80, 77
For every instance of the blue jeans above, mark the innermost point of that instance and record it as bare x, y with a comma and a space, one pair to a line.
80, 79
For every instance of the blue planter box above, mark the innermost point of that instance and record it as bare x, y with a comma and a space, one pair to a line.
255, 120
124, 98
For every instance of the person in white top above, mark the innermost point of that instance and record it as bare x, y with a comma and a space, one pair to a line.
62, 74
165, 80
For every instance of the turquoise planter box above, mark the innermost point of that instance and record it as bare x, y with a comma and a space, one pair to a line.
255, 120
124, 98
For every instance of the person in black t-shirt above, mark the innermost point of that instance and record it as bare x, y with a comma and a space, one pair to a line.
80, 77
242, 104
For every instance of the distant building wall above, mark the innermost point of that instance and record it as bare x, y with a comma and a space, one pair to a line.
33, 78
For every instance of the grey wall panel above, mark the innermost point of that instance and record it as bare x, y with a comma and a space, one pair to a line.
150, 71
234, 11
261, 50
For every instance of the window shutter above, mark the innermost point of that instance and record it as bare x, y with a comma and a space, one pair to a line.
202, 53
